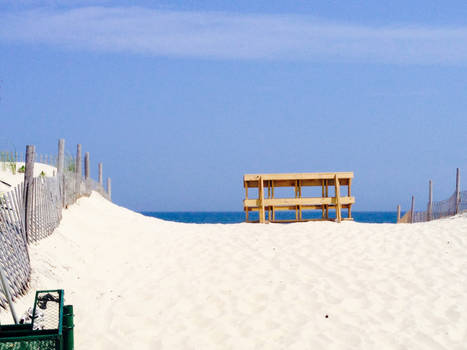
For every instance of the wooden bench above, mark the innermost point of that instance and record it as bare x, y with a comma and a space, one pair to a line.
269, 205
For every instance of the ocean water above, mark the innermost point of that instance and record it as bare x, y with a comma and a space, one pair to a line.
201, 217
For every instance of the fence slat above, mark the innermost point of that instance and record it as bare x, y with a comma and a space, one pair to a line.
32, 211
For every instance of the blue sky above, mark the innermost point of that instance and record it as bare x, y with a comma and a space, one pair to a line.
179, 100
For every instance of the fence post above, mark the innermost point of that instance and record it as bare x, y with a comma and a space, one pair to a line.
100, 174
458, 188
28, 187
109, 188
86, 166
78, 170
398, 213
429, 211
412, 210
61, 157
60, 169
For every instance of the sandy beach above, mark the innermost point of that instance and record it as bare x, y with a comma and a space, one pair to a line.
141, 283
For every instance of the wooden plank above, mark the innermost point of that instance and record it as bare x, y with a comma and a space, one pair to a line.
300, 195
304, 207
296, 196
261, 201
303, 220
322, 195
338, 199
405, 218
398, 214
298, 176
297, 201
327, 195
412, 210
270, 196
290, 183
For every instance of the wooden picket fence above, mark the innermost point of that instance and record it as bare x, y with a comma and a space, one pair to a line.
455, 204
32, 210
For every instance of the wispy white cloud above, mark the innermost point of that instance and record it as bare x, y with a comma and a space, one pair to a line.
233, 36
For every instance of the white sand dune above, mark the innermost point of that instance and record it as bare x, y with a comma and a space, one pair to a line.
142, 283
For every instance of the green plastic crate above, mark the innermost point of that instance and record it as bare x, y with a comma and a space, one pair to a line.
51, 327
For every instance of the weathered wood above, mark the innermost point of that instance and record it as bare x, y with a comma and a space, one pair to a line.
28, 186
87, 169
412, 210
304, 207
18, 233
35, 204
291, 183
261, 200
100, 174
298, 176
79, 160
61, 157
305, 201
338, 199
458, 188
6, 290
20, 200
61, 169
298, 203
78, 171
398, 213
429, 211
327, 195
322, 195
109, 188
19, 209
37, 217
296, 196
8, 232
